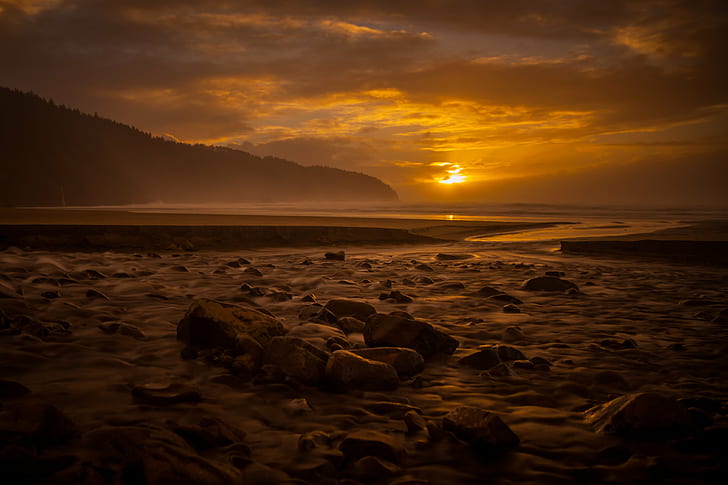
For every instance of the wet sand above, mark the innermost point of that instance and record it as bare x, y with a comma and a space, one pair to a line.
93, 337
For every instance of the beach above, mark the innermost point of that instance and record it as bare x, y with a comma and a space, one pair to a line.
503, 362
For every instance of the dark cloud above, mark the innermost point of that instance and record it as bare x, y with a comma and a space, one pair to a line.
290, 78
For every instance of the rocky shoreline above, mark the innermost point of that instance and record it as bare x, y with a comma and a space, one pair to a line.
409, 365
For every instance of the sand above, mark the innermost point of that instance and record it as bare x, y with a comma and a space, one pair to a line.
633, 327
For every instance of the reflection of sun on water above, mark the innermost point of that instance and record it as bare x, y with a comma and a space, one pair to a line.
454, 176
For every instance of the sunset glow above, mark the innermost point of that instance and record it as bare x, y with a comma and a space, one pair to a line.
517, 96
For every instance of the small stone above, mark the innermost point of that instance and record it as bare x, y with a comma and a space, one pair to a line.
345, 369
424, 267
313, 439
233, 264
479, 427
511, 309
452, 257
210, 432
488, 291
253, 271
414, 422
122, 329
396, 296
548, 283
504, 297
309, 298
165, 395
522, 364
350, 308
335, 256
513, 334
180, 269
51, 294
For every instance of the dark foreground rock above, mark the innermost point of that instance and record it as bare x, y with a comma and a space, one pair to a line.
641, 414
210, 323
396, 330
480, 428
34, 426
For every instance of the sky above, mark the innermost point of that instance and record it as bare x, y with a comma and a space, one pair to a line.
622, 102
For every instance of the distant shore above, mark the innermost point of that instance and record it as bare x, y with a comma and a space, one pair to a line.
94, 230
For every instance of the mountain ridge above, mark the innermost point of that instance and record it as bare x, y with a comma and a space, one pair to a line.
54, 155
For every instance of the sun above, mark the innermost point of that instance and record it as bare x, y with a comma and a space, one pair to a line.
454, 176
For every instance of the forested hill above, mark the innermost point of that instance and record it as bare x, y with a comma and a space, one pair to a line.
53, 155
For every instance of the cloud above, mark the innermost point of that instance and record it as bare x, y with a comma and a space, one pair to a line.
504, 90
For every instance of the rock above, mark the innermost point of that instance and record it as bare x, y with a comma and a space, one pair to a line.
640, 414
414, 422
297, 358
424, 267
153, 456
309, 298
424, 280
209, 323
483, 359
366, 442
489, 356
174, 393
253, 271
350, 308
511, 309
406, 362
313, 439
371, 468
209, 432
513, 334
335, 256
34, 426
488, 291
180, 269
345, 369
12, 389
233, 264
123, 329
350, 325
479, 427
548, 283
397, 296
317, 334
504, 297
396, 331
51, 294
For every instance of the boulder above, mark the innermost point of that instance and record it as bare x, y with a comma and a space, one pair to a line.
209, 323
398, 331
154, 456
479, 427
350, 325
34, 425
345, 369
406, 362
350, 308
297, 358
366, 442
640, 414
548, 283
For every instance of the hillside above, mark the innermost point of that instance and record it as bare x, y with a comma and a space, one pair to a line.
53, 155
